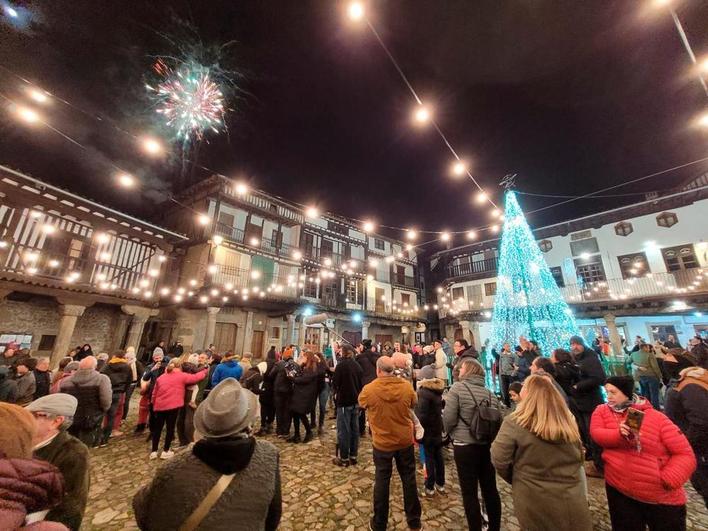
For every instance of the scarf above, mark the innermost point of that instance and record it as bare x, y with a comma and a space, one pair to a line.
621, 408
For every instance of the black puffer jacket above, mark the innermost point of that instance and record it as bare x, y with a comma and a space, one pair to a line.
119, 373
266, 396
305, 390
282, 385
429, 410
587, 394
367, 360
567, 375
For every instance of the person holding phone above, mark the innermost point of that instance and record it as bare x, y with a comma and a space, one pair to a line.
647, 460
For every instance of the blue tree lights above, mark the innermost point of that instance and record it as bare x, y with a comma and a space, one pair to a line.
528, 302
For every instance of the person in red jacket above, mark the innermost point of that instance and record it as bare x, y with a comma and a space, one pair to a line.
167, 400
645, 467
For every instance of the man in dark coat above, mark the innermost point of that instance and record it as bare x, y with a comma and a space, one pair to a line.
587, 394
366, 359
42, 378
282, 392
347, 382
53, 414
267, 396
8, 387
462, 351
429, 411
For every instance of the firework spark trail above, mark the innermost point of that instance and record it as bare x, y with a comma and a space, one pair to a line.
189, 99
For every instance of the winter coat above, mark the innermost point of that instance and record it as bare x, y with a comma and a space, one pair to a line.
266, 396
28, 486
567, 375
8, 388
226, 369
367, 361
655, 474
459, 407
388, 401
251, 502
687, 405
119, 373
347, 382
547, 479
71, 457
645, 364
152, 373
43, 381
429, 410
470, 353
282, 385
26, 386
586, 393
305, 390
89, 379
441, 364
170, 387
506, 363
524, 362
252, 380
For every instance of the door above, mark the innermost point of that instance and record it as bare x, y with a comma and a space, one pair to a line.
225, 337
257, 343
353, 337
384, 340
379, 294
401, 275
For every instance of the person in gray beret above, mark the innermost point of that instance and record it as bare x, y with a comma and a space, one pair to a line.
53, 415
227, 480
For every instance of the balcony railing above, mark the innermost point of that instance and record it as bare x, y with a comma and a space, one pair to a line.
404, 280
268, 245
475, 269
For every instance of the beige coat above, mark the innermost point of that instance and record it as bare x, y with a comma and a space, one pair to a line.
547, 479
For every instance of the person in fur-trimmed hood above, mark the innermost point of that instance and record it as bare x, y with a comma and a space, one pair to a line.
429, 412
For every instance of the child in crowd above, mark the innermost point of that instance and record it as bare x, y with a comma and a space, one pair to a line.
515, 394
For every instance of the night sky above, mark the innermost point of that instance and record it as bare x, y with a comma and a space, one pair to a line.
571, 96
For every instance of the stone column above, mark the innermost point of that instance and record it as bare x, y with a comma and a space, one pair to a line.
450, 332
248, 335
301, 338
465, 325
615, 339
185, 328
210, 325
119, 332
137, 325
290, 328
365, 329
476, 339
69, 315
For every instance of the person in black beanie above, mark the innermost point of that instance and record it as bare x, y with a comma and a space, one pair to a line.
623, 383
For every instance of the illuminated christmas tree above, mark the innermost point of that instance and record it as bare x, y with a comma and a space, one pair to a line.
528, 302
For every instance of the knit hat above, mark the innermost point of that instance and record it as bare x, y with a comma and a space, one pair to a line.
71, 366
366, 343
227, 410
17, 431
262, 367
426, 373
56, 404
623, 383
577, 340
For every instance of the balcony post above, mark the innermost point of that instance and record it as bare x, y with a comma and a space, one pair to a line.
69, 315
365, 329
289, 330
615, 339
210, 325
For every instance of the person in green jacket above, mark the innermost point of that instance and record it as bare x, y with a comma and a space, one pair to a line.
53, 415
646, 370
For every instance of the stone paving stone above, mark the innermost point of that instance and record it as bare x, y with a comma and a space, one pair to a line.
316, 494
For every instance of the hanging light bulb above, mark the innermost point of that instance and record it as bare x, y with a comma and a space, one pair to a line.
471, 235
368, 226
411, 234
356, 11
445, 236
481, 197
459, 168
421, 114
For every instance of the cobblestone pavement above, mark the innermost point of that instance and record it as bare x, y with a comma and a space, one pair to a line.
316, 494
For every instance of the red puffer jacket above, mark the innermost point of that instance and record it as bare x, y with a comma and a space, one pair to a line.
658, 472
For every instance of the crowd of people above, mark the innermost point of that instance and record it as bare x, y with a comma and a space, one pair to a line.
555, 420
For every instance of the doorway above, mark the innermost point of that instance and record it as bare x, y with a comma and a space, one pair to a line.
257, 343
225, 337
353, 338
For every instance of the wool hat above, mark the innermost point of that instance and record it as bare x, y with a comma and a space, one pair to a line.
227, 410
623, 383
56, 404
426, 373
71, 366
17, 431
577, 340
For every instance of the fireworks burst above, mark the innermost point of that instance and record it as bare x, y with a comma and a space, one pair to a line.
189, 99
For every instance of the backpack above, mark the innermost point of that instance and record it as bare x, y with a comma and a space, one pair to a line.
486, 419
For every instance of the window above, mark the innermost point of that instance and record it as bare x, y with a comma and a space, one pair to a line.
327, 248
490, 289
310, 289
680, 257
458, 293
308, 244
379, 244
338, 228
46, 342
633, 265
666, 219
400, 275
590, 272
557, 273
276, 239
275, 333
587, 246
624, 228
545, 245
226, 223
355, 291
405, 299
474, 294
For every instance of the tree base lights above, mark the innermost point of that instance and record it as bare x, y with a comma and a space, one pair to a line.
528, 302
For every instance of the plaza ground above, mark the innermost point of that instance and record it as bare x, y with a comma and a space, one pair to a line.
316, 494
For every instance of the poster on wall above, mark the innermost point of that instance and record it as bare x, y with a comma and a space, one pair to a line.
24, 340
